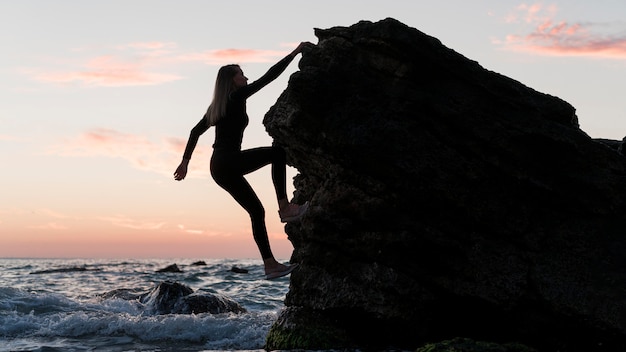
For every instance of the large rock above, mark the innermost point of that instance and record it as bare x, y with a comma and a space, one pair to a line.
446, 200
175, 298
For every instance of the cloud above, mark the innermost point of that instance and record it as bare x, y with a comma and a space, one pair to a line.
108, 71
141, 63
52, 214
8, 138
228, 56
104, 142
141, 152
191, 231
49, 226
543, 34
123, 221
534, 12
48, 218
212, 233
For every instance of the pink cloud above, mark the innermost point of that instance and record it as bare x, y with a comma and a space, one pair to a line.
547, 36
176, 144
531, 11
191, 231
49, 226
109, 71
141, 152
123, 221
5, 137
142, 63
52, 214
525, 13
228, 56
104, 142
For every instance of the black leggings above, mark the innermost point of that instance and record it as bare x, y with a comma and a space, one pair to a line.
228, 169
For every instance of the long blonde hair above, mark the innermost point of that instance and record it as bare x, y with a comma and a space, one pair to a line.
224, 85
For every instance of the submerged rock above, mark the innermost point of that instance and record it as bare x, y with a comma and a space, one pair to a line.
175, 298
123, 293
238, 270
64, 270
446, 200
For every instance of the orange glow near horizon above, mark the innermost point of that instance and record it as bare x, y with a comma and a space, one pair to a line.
53, 242
178, 221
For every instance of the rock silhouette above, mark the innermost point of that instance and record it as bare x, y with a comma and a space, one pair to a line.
447, 201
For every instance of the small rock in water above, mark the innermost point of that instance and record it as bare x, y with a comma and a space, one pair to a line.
122, 293
170, 269
237, 270
176, 298
64, 270
199, 263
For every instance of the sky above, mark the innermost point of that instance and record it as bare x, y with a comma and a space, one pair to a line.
97, 99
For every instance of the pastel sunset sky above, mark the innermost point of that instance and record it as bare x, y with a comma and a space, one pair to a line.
97, 99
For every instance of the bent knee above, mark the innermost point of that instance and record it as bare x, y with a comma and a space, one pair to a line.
257, 212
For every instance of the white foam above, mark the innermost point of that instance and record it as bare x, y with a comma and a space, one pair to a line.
66, 310
116, 317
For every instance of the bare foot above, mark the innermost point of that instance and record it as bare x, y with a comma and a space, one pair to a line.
274, 269
292, 212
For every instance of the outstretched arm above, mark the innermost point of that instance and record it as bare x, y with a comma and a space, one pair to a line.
271, 74
196, 132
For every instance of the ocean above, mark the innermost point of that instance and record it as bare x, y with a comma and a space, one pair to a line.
57, 305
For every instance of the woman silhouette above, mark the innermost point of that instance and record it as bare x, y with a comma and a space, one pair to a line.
229, 164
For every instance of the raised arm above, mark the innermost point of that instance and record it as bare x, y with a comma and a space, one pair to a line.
271, 74
201, 127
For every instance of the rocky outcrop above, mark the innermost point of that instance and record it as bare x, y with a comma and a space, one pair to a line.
175, 298
446, 200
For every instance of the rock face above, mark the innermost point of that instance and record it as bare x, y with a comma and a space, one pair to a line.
446, 200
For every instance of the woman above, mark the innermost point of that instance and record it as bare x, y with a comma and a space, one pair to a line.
229, 163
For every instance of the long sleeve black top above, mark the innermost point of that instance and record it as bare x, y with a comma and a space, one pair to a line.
229, 129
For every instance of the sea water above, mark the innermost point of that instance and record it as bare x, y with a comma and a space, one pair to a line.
56, 305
